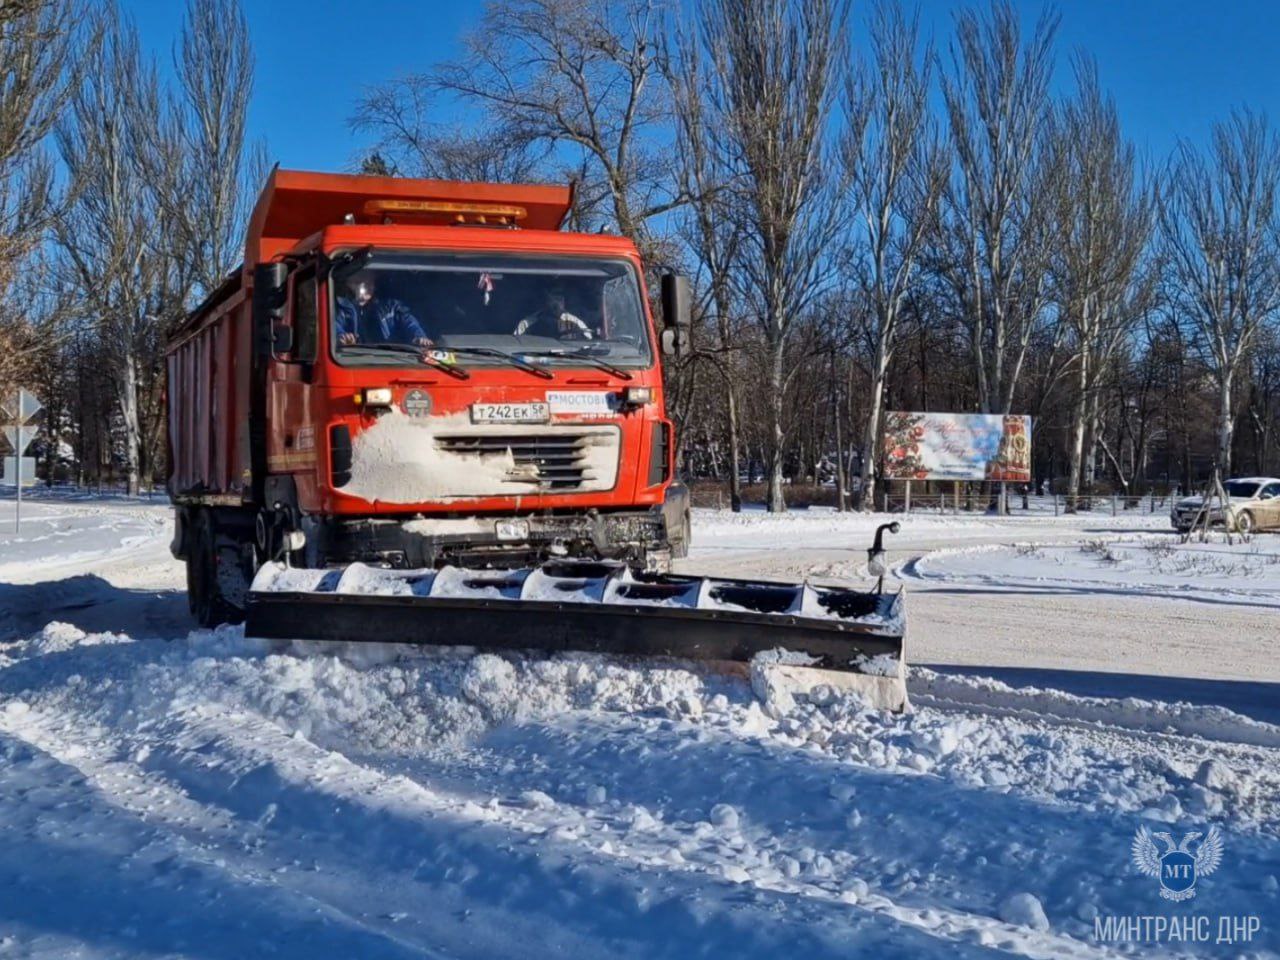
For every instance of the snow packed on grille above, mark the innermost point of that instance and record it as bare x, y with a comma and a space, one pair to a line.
404, 459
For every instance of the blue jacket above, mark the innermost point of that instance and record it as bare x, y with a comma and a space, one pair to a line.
378, 321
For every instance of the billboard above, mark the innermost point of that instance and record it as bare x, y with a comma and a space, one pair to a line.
957, 446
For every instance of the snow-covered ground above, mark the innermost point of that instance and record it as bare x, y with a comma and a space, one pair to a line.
170, 792
1245, 573
63, 534
1087, 630
102, 564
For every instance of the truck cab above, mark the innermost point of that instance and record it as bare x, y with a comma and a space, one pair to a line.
412, 373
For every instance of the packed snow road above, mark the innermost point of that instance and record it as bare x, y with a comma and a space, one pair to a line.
167, 792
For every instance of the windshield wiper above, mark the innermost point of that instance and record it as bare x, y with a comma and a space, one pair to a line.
418, 353
583, 353
502, 355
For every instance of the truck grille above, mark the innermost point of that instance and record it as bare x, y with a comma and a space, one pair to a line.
559, 461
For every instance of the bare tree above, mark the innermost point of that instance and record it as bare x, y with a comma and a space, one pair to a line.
1219, 217
710, 231
118, 248
897, 171
161, 186
995, 236
774, 64
42, 46
1103, 222
1264, 396
216, 176
582, 74
408, 142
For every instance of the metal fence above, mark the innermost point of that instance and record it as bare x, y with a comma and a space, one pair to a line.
1015, 503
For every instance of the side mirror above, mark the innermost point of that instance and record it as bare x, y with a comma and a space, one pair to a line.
270, 292
677, 301
677, 315
281, 338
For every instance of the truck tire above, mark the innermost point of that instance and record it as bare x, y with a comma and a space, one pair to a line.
208, 601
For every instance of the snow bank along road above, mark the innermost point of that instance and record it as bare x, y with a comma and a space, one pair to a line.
1036, 615
176, 793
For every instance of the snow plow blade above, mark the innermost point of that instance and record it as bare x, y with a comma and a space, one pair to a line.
597, 607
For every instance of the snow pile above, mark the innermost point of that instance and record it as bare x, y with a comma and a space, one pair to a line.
591, 803
59, 637
819, 527
401, 699
362, 696
1150, 565
1133, 713
1024, 910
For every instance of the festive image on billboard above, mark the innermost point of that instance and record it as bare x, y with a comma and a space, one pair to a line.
957, 446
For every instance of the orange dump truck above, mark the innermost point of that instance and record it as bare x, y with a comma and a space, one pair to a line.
419, 377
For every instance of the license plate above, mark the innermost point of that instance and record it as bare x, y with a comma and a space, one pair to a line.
510, 413
512, 529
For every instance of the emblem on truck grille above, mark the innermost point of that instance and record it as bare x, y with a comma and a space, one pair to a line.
554, 460
417, 403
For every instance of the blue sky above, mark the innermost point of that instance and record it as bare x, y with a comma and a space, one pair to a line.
1174, 66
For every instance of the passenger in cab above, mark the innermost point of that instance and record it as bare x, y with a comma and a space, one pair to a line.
553, 320
364, 317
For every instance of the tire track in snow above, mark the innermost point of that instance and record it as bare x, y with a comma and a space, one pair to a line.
296, 772
408, 836
155, 838
1205, 746
204, 760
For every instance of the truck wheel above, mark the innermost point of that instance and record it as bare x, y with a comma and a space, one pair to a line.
207, 596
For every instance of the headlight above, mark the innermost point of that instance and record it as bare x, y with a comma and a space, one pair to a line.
374, 397
637, 396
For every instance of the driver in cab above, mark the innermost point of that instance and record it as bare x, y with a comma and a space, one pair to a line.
553, 320
364, 317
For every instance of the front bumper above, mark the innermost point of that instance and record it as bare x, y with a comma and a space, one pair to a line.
638, 537
1182, 519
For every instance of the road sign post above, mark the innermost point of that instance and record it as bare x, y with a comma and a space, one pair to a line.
15, 415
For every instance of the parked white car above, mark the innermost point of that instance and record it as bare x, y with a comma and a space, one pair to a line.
1254, 505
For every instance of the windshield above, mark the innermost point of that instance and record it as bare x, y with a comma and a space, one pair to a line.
1241, 489
555, 310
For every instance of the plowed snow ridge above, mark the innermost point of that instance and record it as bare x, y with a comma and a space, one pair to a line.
412, 802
